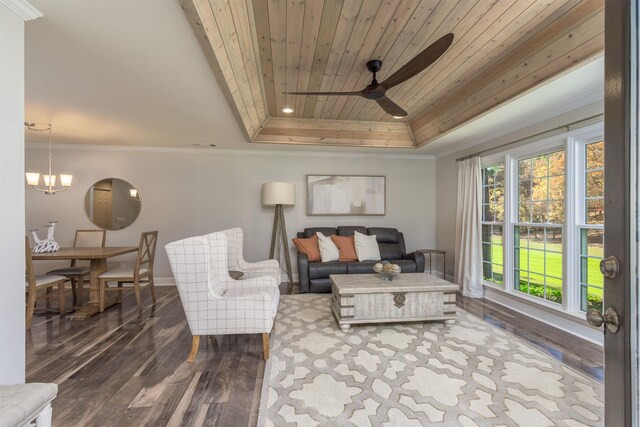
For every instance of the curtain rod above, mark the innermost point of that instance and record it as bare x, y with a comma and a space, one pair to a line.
565, 128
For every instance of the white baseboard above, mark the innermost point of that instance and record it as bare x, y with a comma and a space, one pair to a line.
164, 281
575, 327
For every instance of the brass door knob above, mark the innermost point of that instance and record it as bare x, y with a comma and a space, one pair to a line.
609, 318
609, 267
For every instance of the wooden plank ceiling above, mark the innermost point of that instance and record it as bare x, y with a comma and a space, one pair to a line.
259, 49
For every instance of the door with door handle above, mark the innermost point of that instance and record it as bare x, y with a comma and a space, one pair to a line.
620, 215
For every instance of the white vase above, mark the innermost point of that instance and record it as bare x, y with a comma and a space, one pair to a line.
47, 245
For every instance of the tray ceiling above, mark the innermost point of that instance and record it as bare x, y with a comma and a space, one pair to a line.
259, 49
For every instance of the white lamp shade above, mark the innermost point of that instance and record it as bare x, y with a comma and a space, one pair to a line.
33, 178
133, 192
49, 179
65, 180
278, 193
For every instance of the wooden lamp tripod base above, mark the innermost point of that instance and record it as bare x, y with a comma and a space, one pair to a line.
279, 240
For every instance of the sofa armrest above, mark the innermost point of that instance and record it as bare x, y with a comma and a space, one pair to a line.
418, 258
303, 273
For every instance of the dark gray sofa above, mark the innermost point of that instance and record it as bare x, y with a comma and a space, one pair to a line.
314, 276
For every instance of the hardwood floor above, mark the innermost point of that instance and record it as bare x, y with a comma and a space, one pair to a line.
580, 354
125, 368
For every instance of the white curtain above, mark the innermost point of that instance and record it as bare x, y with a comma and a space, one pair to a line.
468, 268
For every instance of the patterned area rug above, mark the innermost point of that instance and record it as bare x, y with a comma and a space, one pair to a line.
414, 374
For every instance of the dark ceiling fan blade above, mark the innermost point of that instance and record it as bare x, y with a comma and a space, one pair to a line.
324, 93
391, 107
420, 62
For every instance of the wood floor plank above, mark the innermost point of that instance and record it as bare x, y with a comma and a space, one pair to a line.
242, 391
169, 400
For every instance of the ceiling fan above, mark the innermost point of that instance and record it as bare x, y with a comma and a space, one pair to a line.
377, 91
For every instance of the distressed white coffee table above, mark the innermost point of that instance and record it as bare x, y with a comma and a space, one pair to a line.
366, 298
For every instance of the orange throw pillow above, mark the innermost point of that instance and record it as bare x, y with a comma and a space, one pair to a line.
308, 246
347, 247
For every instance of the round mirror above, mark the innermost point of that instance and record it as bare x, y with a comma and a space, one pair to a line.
112, 204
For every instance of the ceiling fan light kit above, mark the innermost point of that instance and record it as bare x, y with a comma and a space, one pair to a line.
377, 91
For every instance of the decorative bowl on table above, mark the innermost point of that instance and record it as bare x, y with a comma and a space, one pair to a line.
386, 270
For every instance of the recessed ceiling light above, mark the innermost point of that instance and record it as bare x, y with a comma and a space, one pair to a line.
398, 117
287, 110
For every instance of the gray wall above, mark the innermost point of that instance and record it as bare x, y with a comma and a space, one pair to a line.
187, 192
447, 176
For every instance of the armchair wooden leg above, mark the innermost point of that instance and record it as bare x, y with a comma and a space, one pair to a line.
265, 345
194, 348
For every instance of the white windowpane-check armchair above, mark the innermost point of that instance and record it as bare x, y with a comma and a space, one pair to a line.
214, 303
270, 267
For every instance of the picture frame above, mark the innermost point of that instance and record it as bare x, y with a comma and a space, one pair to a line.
350, 195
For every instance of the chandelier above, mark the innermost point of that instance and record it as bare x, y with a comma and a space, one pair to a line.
33, 178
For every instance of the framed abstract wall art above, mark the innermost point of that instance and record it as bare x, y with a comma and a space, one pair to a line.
346, 195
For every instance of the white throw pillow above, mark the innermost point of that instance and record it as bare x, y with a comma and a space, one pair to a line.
328, 250
366, 247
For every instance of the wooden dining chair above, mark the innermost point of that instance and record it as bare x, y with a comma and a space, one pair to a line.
34, 282
140, 274
79, 273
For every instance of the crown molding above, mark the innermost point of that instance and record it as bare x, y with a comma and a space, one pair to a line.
23, 9
567, 107
229, 151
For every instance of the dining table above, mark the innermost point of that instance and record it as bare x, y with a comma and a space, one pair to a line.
97, 258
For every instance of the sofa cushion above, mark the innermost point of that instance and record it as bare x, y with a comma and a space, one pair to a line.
350, 229
320, 286
311, 231
366, 247
406, 265
347, 247
360, 267
328, 250
390, 251
384, 234
319, 270
308, 246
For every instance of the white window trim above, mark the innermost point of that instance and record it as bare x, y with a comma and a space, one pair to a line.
484, 164
573, 143
580, 220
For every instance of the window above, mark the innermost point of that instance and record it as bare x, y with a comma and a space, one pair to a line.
492, 223
594, 183
591, 227
538, 231
543, 220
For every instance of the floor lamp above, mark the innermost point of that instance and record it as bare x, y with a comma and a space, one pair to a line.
279, 194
